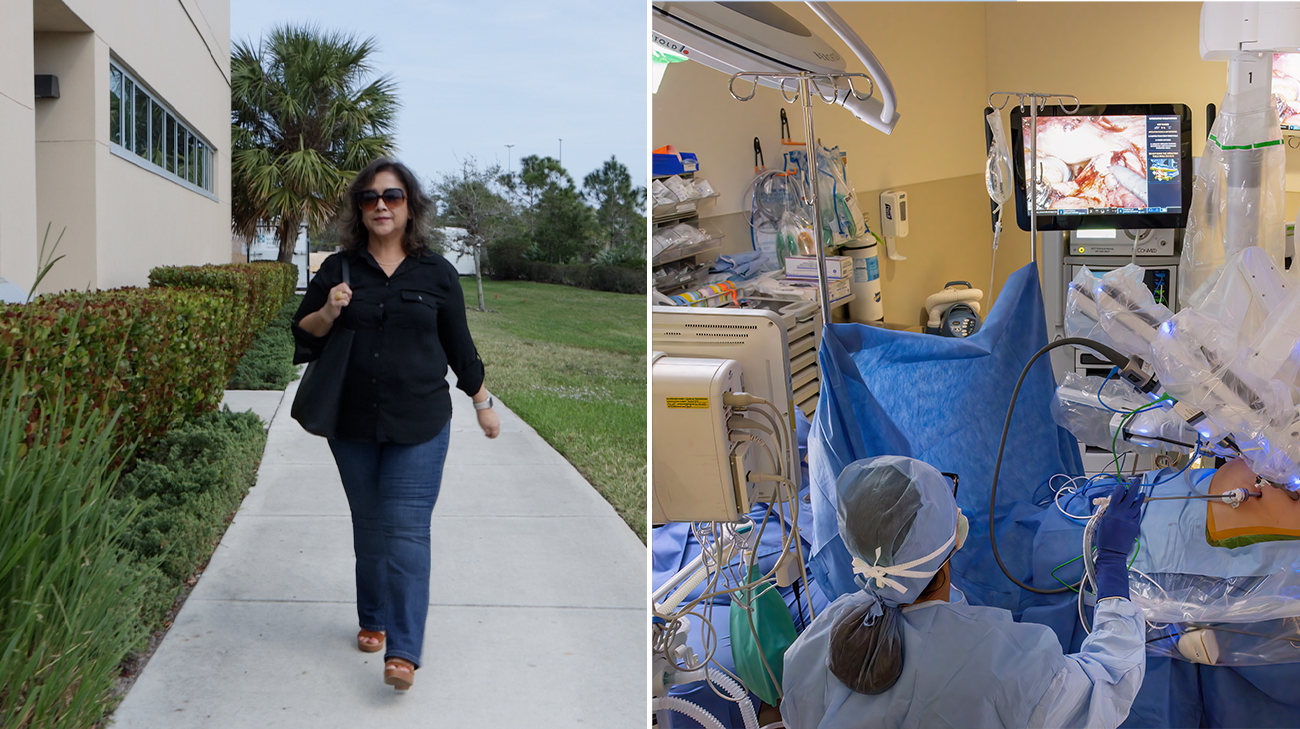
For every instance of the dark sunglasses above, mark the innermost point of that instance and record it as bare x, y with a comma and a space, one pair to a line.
393, 197
956, 481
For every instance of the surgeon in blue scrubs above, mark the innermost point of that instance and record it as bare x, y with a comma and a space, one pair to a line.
907, 650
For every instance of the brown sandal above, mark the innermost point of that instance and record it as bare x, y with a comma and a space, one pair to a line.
399, 673
370, 641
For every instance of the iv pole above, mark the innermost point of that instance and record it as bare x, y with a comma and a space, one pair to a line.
808, 82
1036, 102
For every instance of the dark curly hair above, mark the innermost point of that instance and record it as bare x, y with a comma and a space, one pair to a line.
352, 227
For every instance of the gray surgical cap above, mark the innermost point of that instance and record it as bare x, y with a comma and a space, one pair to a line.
898, 519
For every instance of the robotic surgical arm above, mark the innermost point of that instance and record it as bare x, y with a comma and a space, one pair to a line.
1207, 379
1223, 374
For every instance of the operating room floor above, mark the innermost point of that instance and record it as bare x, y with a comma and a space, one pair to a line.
536, 616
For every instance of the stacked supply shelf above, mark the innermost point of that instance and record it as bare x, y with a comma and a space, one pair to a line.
683, 266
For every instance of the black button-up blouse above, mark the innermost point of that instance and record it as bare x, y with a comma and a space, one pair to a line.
408, 329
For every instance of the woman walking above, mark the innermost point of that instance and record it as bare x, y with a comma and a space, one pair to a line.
405, 307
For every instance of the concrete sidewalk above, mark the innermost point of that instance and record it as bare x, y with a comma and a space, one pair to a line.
537, 615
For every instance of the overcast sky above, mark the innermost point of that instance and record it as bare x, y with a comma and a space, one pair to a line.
475, 76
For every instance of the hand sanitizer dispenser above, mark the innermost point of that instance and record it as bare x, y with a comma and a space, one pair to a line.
893, 220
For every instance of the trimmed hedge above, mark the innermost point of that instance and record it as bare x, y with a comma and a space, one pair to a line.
92, 562
506, 261
268, 364
597, 278
259, 288
160, 355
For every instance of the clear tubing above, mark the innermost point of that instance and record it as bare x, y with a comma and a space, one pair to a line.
688, 708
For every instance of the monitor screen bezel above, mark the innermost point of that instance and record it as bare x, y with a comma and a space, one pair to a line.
1125, 221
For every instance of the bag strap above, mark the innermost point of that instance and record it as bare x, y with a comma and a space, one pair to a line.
345, 271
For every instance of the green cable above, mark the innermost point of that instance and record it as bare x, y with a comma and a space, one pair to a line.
1114, 441
1076, 559
1059, 566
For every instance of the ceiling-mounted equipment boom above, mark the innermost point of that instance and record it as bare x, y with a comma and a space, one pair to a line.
761, 37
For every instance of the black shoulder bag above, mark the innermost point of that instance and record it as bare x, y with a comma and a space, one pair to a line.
316, 406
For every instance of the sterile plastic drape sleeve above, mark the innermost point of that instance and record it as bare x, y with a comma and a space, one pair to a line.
1159, 428
1078, 409
1246, 644
1275, 350
1237, 198
1247, 292
1194, 364
1129, 312
1173, 597
1081, 316
1094, 420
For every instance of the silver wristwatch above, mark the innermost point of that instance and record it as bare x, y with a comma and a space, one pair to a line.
485, 405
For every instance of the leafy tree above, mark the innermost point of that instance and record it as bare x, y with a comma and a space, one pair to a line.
472, 200
558, 222
620, 224
305, 117
535, 176
563, 227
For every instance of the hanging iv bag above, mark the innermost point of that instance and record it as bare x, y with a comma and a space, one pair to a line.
997, 180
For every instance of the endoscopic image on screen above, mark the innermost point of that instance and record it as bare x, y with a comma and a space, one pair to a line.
1093, 162
1286, 89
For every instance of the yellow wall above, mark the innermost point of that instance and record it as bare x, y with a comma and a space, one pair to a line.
693, 110
944, 60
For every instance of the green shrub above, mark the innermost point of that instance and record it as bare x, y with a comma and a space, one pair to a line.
185, 488
260, 289
617, 279
157, 355
69, 612
268, 364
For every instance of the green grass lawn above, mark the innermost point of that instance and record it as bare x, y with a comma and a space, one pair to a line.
571, 363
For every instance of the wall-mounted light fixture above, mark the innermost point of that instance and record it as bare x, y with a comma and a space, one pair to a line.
47, 86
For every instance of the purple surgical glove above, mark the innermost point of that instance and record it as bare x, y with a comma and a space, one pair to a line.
1115, 534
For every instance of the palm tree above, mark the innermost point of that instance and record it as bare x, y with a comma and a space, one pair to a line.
305, 116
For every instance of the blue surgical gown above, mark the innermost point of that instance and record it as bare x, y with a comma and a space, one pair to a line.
973, 666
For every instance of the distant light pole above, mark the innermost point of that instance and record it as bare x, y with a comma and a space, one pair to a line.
561, 151
509, 168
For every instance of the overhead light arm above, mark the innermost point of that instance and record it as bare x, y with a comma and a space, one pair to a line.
878, 112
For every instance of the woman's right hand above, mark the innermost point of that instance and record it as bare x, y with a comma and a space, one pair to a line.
339, 297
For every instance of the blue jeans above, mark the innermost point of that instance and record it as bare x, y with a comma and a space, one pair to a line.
391, 489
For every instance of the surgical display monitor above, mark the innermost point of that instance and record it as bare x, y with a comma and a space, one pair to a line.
1118, 166
1286, 89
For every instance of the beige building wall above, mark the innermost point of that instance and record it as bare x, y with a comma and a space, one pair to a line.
944, 59
17, 152
119, 216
